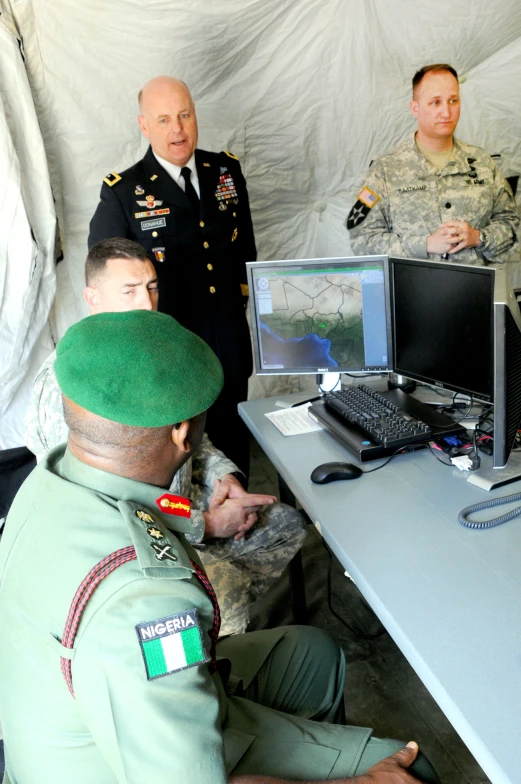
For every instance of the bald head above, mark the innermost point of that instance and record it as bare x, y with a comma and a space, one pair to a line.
159, 83
167, 118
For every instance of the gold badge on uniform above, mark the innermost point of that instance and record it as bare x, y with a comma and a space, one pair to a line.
234, 235
154, 177
111, 179
147, 518
155, 533
139, 190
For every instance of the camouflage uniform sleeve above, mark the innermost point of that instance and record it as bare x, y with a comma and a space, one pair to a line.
503, 229
370, 227
209, 464
46, 426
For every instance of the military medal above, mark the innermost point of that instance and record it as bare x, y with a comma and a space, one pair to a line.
226, 190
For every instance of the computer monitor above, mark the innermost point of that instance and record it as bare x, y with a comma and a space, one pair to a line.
320, 315
459, 327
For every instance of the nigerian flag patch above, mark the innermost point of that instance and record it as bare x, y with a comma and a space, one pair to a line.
171, 644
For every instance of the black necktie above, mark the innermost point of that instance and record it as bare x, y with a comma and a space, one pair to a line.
190, 190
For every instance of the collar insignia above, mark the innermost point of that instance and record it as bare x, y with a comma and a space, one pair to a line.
176, 505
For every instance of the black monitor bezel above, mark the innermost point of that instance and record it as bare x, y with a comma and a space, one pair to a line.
433, 382
338, 261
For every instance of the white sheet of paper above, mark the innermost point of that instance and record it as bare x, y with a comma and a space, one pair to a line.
293, 421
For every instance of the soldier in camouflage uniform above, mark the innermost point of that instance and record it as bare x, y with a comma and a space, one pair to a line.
435, 196
249, 546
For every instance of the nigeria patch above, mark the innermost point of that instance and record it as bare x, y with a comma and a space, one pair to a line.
171, 644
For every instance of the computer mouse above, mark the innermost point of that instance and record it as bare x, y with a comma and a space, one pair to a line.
332, 472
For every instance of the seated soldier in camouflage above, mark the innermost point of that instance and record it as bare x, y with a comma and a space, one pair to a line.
434, 196
245, 541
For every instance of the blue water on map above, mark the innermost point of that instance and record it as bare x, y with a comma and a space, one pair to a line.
309, 351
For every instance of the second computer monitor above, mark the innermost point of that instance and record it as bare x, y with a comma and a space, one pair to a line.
320, 315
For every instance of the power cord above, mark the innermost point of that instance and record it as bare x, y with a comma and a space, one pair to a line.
357, 632
463, 516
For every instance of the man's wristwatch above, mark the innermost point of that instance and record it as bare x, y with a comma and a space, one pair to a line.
482, 238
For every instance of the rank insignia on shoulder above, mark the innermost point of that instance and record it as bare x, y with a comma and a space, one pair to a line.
163, 551
112, 178
176, 505
171, 644
147, 518
155, 533
230, 155
139, 190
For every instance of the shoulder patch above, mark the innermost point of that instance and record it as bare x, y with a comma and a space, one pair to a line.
358, 213
112, 178
365, 202
368, 197
171, 644
229, 154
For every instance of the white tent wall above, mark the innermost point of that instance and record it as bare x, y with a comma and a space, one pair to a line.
27, 230
305, 92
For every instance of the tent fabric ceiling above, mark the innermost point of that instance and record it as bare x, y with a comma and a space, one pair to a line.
305, 93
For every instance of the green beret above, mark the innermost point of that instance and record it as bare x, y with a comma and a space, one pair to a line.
139, 368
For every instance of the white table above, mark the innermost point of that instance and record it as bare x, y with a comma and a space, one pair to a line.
450, 597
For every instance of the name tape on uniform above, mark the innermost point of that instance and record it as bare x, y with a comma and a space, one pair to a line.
171, 644
153, 224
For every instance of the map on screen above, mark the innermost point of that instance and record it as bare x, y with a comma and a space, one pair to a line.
315, 318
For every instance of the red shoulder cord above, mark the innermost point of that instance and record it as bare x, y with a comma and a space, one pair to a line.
98, 573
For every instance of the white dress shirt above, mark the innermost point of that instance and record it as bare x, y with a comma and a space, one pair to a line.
175, 172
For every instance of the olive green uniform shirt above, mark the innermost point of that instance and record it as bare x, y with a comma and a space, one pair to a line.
127, 723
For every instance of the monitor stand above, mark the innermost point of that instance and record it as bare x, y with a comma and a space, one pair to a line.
326, 382
489, 478
396, 381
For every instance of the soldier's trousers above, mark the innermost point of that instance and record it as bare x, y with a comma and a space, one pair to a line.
285, 687
242, 571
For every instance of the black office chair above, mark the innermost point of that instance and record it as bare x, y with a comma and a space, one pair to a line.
15, 465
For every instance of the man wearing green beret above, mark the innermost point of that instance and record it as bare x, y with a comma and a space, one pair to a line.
112, 669
244, 546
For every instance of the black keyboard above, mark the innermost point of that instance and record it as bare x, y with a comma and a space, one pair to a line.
381, 420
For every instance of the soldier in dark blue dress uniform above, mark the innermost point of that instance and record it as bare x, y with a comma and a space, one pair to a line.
189, 209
